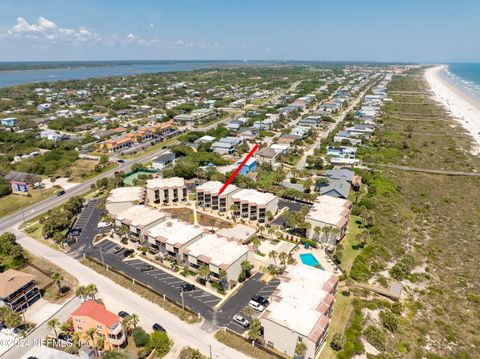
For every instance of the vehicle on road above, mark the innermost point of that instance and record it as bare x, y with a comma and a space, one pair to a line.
147, 268
237, 318
123, 314
187, 287
261, 300
121, 161
60, 193
158, 328
256, 306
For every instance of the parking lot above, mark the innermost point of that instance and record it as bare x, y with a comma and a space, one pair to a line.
235, 304
87, 223
197, 300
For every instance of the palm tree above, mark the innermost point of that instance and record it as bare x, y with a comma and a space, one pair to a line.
99, 343
317, 231
64, 327
92, 290
271, 231
247, 311
255, 330
57, 279
52, 324
90, 335
233, 209
81, 292
283, 256
256, 243
269, 216
204, 272
134, 319
273, 254
300, 349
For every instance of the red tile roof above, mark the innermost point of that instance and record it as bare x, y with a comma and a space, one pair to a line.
96, 311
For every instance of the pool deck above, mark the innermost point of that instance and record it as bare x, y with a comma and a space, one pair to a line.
321, 257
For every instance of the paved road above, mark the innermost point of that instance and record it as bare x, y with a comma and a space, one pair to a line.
41, 331
119, 298
303, 161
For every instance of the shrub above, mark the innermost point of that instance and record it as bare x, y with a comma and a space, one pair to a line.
376, 337
389, 321
338, 341
140, 337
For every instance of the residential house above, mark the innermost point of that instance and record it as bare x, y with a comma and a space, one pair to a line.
311, 121
207, 196
347, 137
166, 190
18, 290
226, 145
331, 212
163, 160
267, 155
8, 122
336, 188
240, 233
300, 310
219, 254
139, 219
107, 325
249, 166
170, 238
254, 205
300, 131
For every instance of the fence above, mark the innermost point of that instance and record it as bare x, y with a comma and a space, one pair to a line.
143, 285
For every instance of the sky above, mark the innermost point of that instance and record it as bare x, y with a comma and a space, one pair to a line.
335, 30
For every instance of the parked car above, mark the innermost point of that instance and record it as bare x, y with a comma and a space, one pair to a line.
121, 161
65, 337
158, 328
237, 318
128, 252
147, 268
60, 193
75, 232
187, 287
102, 225
256, 306
123, 314
261, 300
117, 249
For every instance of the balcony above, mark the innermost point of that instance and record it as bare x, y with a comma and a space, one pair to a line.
117, 328
117, 340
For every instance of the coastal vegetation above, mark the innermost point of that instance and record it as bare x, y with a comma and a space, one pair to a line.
422, 233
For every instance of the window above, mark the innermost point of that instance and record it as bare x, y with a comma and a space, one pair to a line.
79, 328
99, 327
270, 344
78, 320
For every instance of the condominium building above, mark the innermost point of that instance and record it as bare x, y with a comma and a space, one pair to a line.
170, 238
139, 219
218, 253
166, 190
254, 205
18, 290
300, 310
123, 198
330, 214
208, 198
107, 325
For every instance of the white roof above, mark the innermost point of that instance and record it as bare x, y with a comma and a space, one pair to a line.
330, 210
174, 232
126, 194
254, 196
239, 232
214, 187
140, 215
172, 182
299, 299
218, 249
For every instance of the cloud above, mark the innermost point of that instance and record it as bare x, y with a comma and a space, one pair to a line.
45, 32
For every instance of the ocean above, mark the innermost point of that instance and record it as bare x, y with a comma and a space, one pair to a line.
12, 74
465, 77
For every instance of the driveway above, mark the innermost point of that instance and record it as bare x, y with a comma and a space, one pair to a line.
197, 300
87, 222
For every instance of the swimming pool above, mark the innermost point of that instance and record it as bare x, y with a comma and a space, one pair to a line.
309, 260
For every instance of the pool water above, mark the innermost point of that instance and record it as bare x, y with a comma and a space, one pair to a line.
309, 259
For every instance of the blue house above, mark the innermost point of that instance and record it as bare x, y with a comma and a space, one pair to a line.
9, 121
249, 167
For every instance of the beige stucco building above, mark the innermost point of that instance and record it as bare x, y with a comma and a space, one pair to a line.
165, 191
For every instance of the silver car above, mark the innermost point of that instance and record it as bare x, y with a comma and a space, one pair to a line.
241, 320
256, 306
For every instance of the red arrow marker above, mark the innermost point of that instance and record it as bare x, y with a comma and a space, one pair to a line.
234, 174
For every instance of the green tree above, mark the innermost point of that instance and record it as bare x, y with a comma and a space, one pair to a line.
159, 342
300, 349
140, 337
53, 324
255, 330
338, 342
57, 279
204, 272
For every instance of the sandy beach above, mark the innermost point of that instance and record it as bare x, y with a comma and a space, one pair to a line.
461, 106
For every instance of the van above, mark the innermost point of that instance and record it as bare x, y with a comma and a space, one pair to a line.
102, 225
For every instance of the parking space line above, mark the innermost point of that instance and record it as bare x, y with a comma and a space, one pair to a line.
211, 301
176, 282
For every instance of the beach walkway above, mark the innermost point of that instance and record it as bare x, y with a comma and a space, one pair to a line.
424, 170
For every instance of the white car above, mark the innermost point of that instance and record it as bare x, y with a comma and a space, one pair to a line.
257, 306
237, 318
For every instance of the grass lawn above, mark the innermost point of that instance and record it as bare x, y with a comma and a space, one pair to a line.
13, 202
83, 170
186, 214
145, 293
340, 316
239, 344
34, 230
349, 244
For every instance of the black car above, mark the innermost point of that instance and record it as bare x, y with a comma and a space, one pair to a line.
261, 300
60, 193
65, 337
123, 314
147, 268
158, 328
187, 287
128, 252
